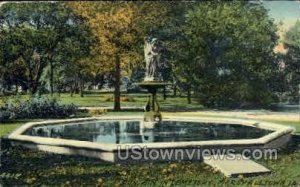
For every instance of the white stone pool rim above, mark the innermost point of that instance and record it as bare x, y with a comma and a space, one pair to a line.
276, 139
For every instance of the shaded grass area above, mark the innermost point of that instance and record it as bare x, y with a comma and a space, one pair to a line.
59, 170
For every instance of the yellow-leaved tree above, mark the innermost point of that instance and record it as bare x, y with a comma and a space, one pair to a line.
119, 28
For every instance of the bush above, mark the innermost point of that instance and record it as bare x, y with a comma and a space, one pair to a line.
40, 107
5, 114
108, 99
97, 112
122, 98
235, 95
127, 99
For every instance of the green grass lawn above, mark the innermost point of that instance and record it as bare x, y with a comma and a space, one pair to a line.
59, 170
293, 124
101, 100
96, 99
9, 127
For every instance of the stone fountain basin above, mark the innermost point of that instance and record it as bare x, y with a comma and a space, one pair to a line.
279, 137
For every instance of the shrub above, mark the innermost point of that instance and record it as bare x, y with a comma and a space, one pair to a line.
123, 99
108, 99
40, 107
96, 112
127, 99
5, 114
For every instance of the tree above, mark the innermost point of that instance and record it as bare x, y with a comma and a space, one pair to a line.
292, 58
112, 24
73, 64
35, 32
28, 43
9, 54
230, 58
120, 28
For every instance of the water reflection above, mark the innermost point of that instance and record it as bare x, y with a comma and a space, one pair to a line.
122, 132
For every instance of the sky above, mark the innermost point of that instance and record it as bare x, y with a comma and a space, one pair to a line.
286, 11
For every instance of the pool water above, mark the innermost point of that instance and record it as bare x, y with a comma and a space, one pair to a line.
124, 132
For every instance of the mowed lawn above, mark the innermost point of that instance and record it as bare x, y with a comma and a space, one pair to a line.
293, 121
32, 168
99, 99
59, 170
171, 104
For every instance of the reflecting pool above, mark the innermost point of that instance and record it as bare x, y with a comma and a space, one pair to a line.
124, 132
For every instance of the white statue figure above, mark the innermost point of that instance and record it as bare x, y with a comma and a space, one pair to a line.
153, 52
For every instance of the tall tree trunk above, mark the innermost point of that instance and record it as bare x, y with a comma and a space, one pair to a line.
33, 87
81, 86
17, 88
51, 77
174, 90
2, 84
117, 132
75, 88
117, 85
81, 91
165, 93
72, 90
34, 78
189, 94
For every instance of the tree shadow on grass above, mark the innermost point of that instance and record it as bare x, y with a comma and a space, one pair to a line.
293, 145
72, 179
21, 166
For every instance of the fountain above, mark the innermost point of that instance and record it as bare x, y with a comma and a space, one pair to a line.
153, 79
109, 138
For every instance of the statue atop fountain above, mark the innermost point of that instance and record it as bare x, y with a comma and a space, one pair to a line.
153, 51
153, 57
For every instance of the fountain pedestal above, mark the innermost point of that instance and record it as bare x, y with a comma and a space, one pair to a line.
152, 109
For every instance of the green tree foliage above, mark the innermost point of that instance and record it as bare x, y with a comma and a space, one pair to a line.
34, 34
292, 58
120, 28
228, 57
222, 51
